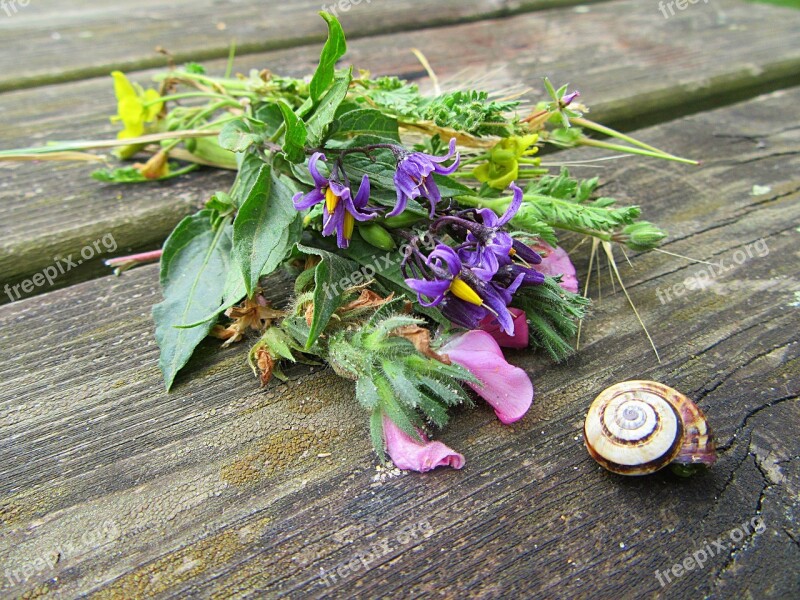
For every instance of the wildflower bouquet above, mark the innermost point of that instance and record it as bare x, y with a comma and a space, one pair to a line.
420, 233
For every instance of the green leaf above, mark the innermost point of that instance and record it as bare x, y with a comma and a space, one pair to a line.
294, 140
449, 187
367, 121
328, 292
249, 169
239, 135
194, 268
334, 48
323, 115
266, 227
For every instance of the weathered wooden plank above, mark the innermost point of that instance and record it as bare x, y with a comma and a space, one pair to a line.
217, 490
628, 61
66, 40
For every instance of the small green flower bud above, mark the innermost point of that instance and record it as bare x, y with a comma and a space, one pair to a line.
643, 236
377, 236
404, 219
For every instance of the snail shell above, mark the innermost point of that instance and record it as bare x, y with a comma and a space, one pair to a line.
639, 427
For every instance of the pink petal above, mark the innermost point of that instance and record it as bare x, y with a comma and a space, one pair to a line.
409, 454
507, 388
520, 338
555, 261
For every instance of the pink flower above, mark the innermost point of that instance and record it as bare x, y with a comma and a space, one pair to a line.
507, 388
520, 338
555, 261
409, 454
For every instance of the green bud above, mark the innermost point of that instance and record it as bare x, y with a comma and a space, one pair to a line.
404, 219
643, 236
209, 150
377, 236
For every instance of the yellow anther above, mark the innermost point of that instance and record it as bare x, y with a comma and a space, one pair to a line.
331, 200
349, 223
461, 290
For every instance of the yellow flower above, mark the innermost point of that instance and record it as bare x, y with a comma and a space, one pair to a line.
135, 106
503, 165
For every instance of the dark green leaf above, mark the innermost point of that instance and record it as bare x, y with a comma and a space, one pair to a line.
194, 268
323, 115
249, 169
266, 227
332, 51
328, 291
367, 121
239, 135
294, 139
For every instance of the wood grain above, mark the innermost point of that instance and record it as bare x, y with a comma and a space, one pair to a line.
64, 40
631, 65
218, 489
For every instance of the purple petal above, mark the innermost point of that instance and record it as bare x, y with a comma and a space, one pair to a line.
462, 313
402, 200
512, 209
313, 197
435, 289
448, 255
526, 253
319, 180
362, 197
440, 159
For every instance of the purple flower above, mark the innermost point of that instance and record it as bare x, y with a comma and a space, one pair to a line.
488, 246
414, 177
461, 296
410, 454
507, 388
341, 210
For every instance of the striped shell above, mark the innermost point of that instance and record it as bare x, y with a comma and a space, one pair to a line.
639, 427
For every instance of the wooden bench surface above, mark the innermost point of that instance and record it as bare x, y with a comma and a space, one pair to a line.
222, 489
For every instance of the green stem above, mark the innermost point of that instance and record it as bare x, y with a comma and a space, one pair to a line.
584, 141
187, 95
588, 124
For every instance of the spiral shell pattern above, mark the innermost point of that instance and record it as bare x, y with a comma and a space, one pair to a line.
638, 427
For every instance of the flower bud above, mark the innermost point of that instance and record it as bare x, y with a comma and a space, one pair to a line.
377, 236
643, 236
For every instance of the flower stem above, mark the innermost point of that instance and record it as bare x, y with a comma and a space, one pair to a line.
584, 141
